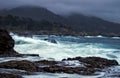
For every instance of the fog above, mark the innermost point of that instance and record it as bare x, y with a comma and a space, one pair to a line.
106, 9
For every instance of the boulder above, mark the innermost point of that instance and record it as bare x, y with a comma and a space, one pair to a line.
51, 40
6, 44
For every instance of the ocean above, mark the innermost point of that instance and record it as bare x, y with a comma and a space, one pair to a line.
53, 47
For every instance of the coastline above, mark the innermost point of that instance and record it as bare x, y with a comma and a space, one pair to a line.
19, 68
72, 33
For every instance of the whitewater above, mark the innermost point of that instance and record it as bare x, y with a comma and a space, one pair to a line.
65, 47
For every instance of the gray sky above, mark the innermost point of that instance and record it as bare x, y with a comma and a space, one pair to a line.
106, 9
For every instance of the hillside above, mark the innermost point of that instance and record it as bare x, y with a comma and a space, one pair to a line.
83, 25
23, 25
34, 12
92, 24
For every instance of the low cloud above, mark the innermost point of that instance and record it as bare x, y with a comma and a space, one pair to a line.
106, 9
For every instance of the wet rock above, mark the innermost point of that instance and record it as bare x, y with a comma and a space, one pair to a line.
59, 67
111, 72
95, 62
5, 75
6, 44
15, 71
34, 55
23, 65
90, 65
69, 70
46, 62
51, 40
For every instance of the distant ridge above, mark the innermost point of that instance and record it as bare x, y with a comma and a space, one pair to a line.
34, 12
78, 22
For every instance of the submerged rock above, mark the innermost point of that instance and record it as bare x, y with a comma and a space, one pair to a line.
51, 40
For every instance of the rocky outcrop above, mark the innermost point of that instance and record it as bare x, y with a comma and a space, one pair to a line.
6, 44
85, 66
95, 62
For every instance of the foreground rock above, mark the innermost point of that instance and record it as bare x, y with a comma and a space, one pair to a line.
5, 75
7, 46
95, 62
23, 65
12, 73
78, 65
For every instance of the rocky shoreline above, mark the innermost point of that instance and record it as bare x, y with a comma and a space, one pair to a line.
67, 33
18, 68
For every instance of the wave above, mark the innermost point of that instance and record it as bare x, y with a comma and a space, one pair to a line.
99, 36
63, 75
116, 37
66, 47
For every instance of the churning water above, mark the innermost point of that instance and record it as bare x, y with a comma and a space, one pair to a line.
60, 47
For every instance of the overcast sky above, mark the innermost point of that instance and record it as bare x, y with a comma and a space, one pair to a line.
107, 9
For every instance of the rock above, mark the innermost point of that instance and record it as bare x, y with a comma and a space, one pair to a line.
95, 62
23, 65
57, 67
15, 71
34, 55
6, 41
5, 75
46, 62
51, 40
91, 65
69, 70
6, 44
